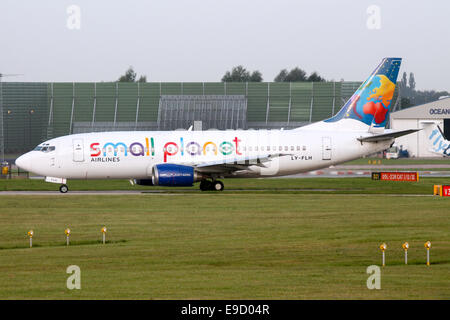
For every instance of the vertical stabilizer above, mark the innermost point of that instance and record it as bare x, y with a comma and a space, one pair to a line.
370, 104
435, 140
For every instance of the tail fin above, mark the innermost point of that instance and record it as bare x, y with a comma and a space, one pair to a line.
435, 140
370, 104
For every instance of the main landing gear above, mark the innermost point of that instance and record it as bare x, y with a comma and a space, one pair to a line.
63, 188
214, 185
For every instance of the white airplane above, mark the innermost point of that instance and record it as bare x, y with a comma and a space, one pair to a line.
180, 158
436, 140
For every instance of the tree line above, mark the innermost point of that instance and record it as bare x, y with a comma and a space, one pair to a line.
408, 94
130, 76
241, 74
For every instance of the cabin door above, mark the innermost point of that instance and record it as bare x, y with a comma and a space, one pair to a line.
78, 150
326, 148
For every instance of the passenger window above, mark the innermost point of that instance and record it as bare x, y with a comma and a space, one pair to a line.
304, 148
286, 148
280, 148
292, 148
298, 148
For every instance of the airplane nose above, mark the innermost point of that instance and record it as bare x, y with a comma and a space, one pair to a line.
24, 162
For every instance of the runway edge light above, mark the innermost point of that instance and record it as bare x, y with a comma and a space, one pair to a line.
30, 234
104, 235
428, 246
405, 247
67, 232
383, 248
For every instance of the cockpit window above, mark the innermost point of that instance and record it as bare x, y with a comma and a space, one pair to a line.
45, 148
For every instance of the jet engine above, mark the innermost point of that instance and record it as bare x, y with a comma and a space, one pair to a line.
174, 175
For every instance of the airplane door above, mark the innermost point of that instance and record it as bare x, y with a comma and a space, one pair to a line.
326, 148
78, 150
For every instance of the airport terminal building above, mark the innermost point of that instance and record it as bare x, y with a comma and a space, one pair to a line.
414, 118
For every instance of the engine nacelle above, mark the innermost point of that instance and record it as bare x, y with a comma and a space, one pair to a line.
173, 175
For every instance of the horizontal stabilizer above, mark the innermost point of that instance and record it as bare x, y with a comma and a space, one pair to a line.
387, 136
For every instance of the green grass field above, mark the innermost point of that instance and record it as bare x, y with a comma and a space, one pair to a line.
278, 185
286, 242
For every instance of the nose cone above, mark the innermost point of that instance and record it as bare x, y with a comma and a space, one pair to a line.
24, 162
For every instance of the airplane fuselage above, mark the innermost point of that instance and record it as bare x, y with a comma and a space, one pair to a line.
118, 155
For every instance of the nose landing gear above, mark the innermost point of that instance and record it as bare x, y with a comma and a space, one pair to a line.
216, 185
63, 188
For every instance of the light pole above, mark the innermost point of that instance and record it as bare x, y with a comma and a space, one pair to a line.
6, 120
30, 113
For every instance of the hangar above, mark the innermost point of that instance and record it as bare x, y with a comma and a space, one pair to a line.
415, 118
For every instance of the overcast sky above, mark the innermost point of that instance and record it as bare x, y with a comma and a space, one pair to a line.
198, 40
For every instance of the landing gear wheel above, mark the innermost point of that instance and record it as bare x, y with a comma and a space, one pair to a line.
63, 188
217, 185
205, 185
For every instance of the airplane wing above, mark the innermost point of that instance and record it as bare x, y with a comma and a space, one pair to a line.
387, 136
235, 163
